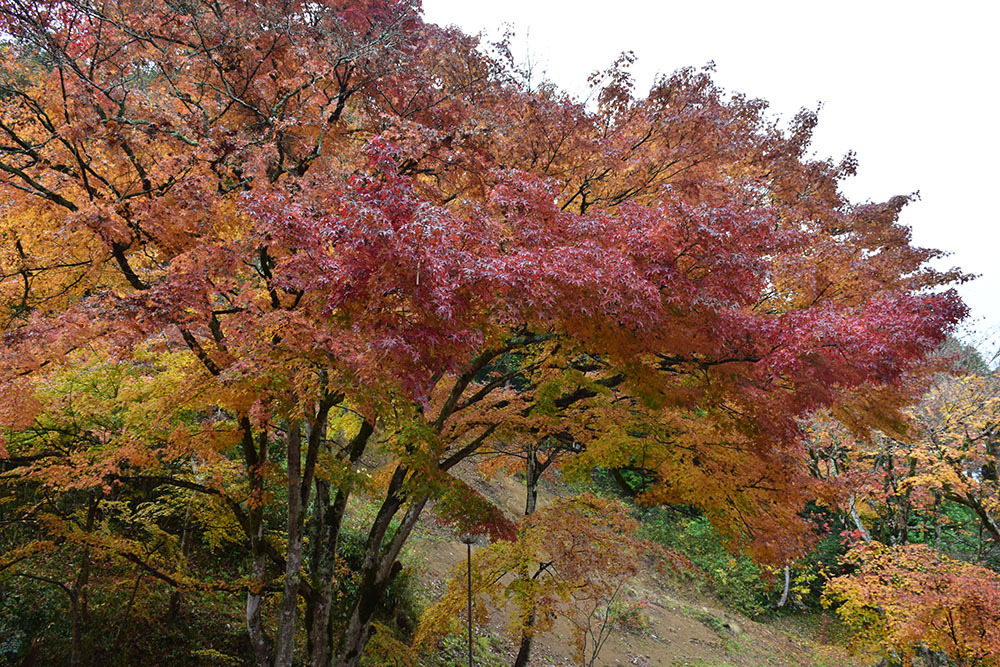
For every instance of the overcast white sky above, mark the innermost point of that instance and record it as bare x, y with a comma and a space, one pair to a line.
910, 86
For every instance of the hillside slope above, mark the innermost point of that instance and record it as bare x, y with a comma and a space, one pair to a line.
670, 622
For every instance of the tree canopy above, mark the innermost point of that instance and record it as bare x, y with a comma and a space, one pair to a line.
247, 245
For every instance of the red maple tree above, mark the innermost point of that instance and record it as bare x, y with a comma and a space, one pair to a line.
337, 207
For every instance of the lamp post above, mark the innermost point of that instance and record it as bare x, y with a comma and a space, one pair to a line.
468, 539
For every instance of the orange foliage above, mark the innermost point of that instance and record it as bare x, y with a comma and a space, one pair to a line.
911, 599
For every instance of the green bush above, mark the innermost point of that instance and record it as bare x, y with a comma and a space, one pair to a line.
739, 582
487, 651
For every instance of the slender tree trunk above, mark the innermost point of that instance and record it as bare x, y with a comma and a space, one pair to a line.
378, 570
865, 535
531, 481
531, 475
255, 459
784, 594
986, 520
124, 617
285, 639
78, 594
329, 519
937, 520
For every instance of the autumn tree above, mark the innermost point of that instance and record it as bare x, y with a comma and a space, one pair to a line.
909, 480
921, 496
912, 600
958, 420
334, 207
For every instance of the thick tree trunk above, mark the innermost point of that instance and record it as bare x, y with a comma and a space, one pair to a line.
321, 577
524, 648
174, 607
359, 628
321, 565
76, 632
622, 483
255, 598
300, 481
78, 594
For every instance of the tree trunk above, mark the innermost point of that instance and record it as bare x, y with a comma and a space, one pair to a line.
174, 607
524, 649
285, 639
378, 570
986, 520
937, 520
255, 459
321, 565
865, 535
76, 632
784, 594
531, 481
329, 519
255, 598
78, 594
623, 483
531, 475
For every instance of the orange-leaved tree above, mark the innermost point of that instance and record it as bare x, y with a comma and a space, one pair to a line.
909, 600
922, 497
943, 454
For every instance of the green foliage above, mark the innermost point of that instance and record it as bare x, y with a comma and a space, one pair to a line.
28, 612
712, 622
34, 626
399, 608
453, 651
739, 582
957, 532
810, 573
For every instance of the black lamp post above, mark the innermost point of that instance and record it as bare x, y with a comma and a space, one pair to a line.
468, 539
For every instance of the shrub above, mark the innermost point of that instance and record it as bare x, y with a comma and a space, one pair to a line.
739, 582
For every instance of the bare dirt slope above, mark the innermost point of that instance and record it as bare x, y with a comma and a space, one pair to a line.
677, 626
